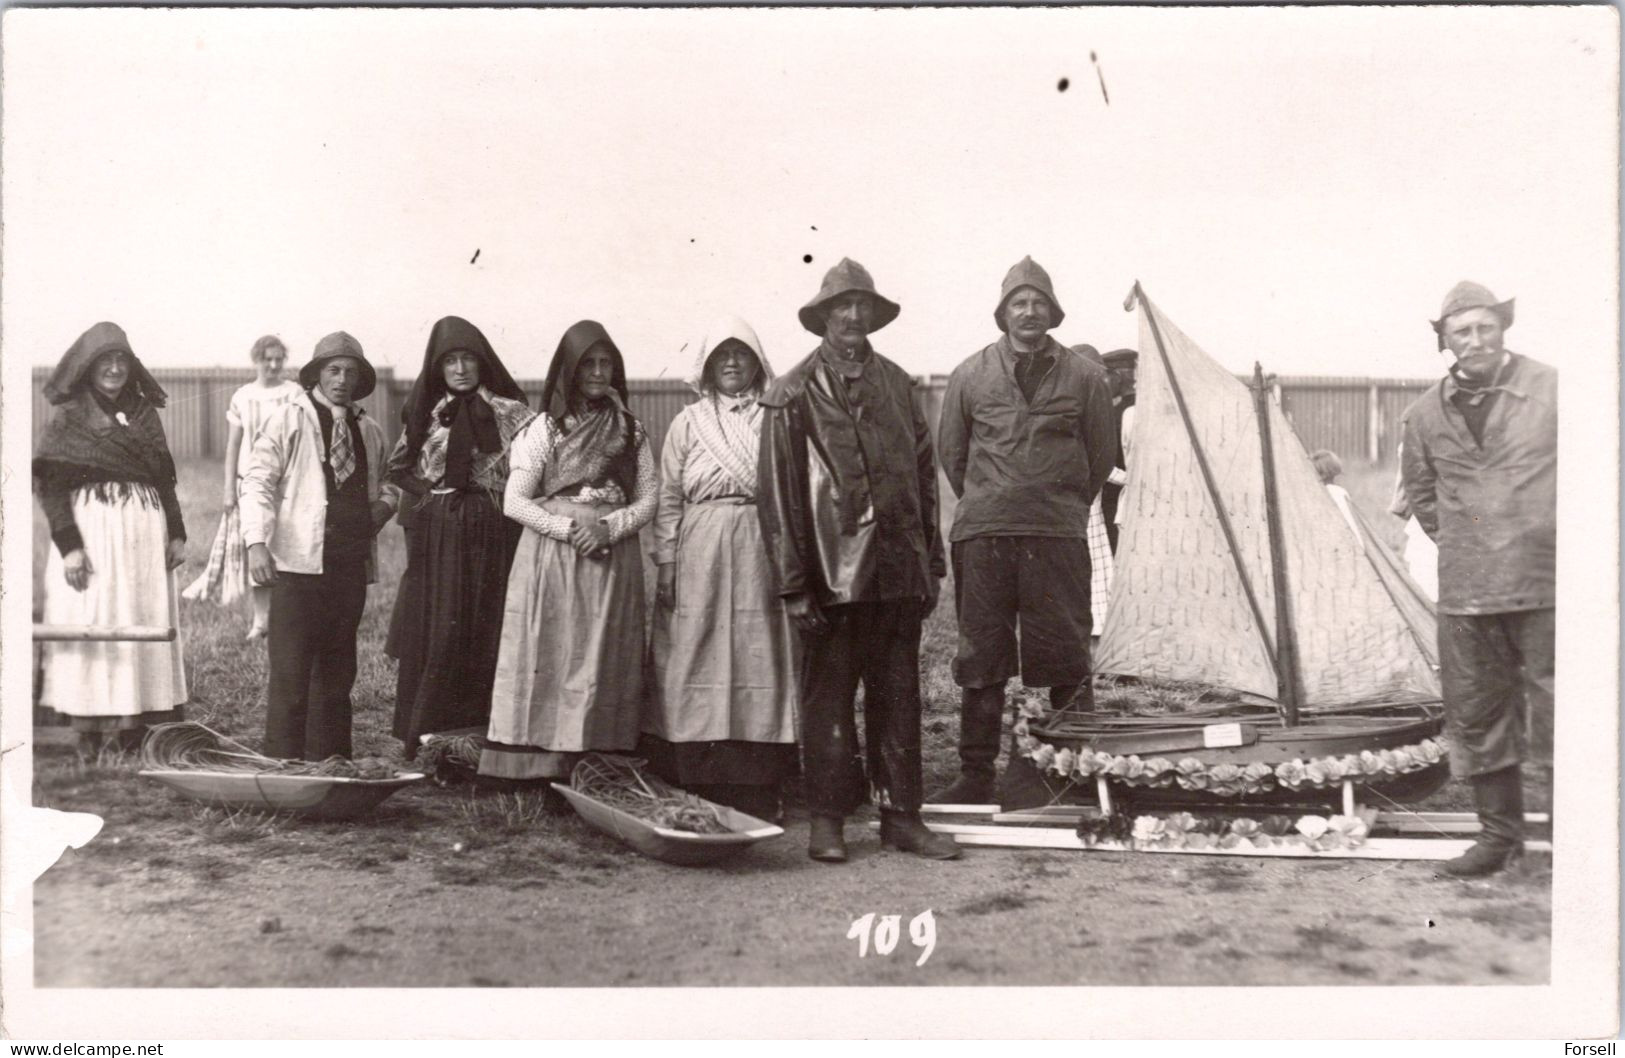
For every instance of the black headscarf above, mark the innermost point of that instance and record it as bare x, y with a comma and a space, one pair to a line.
69, 378
473, 425
560, 391
602, 441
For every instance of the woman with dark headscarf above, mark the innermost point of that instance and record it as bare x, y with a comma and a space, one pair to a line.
724, 726
451, 465
106, 481
582, 482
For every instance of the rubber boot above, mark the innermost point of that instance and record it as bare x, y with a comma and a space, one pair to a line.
1498, 797
981, 718
907, 832
826, 843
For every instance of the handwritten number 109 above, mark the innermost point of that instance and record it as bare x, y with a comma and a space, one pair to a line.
922, 930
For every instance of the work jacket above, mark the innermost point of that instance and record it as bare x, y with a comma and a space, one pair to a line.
1491, 507
284, 492
1025, 468
847, 484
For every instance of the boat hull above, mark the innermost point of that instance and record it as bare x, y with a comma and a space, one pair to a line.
1023, 786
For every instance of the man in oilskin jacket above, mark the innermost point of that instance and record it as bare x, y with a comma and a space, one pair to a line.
848, 504
1480, 474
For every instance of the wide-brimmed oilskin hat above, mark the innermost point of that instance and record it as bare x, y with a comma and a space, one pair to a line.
332, 347
844, 278
1121, 357
1027, 273
1468, 295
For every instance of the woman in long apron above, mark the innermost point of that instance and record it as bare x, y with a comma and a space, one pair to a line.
724, 722
581, 480
106, 481
451, 465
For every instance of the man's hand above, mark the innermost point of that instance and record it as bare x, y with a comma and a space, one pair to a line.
589, 539
666, 586
261, 570
76, 566
175, 554
381, 514
805, 614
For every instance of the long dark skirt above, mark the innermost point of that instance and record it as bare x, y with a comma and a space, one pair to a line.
447, 623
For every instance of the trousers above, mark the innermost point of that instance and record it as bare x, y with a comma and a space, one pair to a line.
876, 644
313, 623
1496, 672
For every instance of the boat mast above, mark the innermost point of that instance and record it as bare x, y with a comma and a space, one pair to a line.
1286, 654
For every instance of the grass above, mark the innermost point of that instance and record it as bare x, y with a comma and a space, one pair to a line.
227, 677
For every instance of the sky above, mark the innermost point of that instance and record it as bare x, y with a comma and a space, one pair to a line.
1299, 187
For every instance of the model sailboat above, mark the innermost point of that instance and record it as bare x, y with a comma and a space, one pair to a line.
1236, 571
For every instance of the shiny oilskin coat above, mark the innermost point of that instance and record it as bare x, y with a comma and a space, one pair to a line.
1492, 509
848, 485
1026, 468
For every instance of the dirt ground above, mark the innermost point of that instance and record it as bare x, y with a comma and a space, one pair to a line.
444, 888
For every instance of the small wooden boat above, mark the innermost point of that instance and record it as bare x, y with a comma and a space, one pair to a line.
1235, 570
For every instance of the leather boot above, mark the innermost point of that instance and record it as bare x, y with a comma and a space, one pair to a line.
981, 717
906, 832
826, 842
1498, 797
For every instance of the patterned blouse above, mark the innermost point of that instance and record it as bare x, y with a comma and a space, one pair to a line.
490, 469
530, 453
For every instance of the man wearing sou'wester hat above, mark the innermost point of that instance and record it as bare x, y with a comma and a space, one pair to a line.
312, 503
847, 495
1479, 470
1027, 441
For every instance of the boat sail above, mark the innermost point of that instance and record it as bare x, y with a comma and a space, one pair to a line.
1235, 570
1195, 591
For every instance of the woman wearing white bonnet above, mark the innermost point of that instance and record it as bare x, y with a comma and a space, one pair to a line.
724, 718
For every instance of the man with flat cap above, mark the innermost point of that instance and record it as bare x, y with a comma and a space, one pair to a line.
313, 503
1027, 441
848, 495
1480, 474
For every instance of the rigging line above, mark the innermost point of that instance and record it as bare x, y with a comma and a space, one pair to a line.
1212, 485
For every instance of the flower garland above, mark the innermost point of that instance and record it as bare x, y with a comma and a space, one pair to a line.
1227, 780
1182, 830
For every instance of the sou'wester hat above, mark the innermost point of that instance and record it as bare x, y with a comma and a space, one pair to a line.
844, 278
332, 347
1027, 273
1468, 295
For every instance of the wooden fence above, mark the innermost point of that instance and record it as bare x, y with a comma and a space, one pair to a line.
1358, 418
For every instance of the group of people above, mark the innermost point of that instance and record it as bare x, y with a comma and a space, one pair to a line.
795, 542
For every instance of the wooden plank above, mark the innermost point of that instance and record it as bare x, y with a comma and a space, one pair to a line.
1423, 822
103, 633
1056, 838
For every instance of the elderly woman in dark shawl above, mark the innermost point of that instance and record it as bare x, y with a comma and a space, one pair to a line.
106, 481
724, 722
451, 465
582, 482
